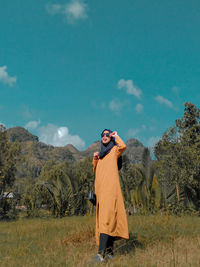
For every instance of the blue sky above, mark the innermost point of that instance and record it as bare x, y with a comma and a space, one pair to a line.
69, 69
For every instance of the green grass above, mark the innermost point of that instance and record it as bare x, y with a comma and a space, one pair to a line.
70, 241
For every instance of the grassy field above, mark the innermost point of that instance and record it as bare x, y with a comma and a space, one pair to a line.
154, 241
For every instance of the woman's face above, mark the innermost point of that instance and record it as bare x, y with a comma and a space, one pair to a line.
105, 139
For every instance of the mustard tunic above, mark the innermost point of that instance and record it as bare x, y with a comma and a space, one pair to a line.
110, 211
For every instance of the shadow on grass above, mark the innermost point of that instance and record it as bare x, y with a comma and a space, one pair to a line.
128, 246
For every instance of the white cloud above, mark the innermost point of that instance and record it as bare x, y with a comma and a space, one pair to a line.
73, 11
175, 90
139, 108
26, 112
76, 10
54, 9
133, 133
129, 87
116, 105
97, 105
160, 99
144, 127
32, 125
5, 78
59, 136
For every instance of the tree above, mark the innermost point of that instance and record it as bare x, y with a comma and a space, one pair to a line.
140, 186
53, 188
84, 177
8, 154
63, 187
178, 155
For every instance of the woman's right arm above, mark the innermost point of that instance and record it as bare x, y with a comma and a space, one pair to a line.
95, 160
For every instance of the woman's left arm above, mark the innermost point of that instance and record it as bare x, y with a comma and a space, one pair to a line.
121, 146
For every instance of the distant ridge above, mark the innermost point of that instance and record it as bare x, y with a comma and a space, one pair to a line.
21, 135
71, 148
91, 149
134, 150
36, 154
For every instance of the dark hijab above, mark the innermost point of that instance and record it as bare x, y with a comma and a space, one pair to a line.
106, 148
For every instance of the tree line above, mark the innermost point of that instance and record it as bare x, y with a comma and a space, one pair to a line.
170, 182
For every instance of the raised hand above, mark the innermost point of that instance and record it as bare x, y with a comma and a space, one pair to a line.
113, 134
96, 155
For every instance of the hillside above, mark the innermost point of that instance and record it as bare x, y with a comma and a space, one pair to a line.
34, 153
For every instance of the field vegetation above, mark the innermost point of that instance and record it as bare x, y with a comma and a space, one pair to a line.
158, 240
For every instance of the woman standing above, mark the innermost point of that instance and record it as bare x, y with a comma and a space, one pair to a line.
111, 221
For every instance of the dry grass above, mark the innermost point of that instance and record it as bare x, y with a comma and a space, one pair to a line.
183, 251
154, 241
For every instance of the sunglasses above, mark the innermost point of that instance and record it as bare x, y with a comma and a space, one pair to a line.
106, 134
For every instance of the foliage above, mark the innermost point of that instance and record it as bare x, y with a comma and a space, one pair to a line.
62, 188
53, 188
84, 177
8, 208
140, 186
8, 154
178, 155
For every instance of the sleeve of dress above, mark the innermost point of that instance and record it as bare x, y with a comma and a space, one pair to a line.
121, 146
95, 161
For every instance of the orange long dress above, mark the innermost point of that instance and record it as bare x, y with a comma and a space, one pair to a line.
110, 211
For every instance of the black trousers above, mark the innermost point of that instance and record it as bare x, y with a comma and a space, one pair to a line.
106, 243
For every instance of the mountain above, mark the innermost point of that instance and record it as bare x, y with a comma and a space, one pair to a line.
34, 154
21, 135
91, 149
134, 150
